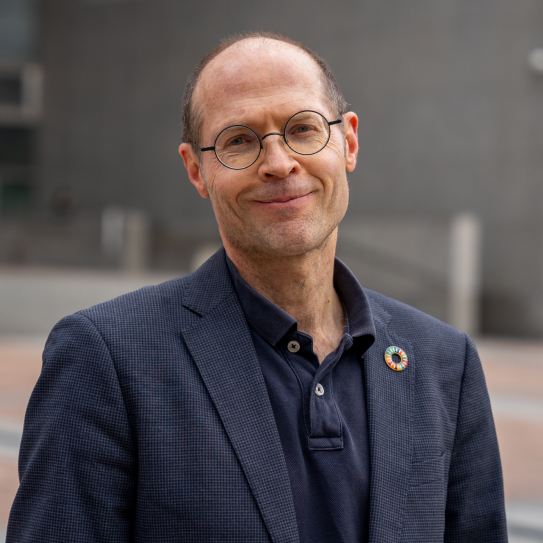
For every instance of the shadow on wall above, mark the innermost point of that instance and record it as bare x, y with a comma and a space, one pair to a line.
431, 264
504, 314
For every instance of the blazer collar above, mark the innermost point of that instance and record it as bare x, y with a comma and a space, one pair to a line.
209, 285
222, 348
390, 406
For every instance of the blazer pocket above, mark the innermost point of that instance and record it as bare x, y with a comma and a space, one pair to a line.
427, 471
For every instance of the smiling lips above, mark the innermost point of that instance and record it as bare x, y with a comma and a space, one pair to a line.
284, 199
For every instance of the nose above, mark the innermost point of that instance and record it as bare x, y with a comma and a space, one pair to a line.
278, 161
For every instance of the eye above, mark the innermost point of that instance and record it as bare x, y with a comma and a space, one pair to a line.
302, 129
237, 141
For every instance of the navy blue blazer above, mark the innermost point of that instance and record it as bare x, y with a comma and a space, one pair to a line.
151, 422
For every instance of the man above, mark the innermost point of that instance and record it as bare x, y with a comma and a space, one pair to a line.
267, 396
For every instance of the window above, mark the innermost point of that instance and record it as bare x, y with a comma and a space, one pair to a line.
11, 90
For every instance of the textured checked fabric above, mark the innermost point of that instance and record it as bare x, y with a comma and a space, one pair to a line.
324, 438
151, 422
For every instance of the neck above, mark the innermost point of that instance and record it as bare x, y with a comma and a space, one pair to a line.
302, 286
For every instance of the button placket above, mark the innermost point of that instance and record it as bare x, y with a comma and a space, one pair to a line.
325, 421
322, 408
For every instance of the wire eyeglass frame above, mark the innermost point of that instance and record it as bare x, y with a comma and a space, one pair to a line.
261, 139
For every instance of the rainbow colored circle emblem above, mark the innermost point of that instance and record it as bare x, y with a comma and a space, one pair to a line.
396, 366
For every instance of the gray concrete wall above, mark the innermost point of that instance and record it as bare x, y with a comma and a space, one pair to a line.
408, 259
451, 116
33, 300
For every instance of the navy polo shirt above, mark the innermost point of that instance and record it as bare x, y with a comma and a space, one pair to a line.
320, 410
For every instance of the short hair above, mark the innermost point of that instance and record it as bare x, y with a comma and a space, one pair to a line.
192, 118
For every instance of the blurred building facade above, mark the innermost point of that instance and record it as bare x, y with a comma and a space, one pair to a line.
451, 121
20, 102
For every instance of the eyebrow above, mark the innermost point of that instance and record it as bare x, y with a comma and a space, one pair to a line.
301, 118
248, 124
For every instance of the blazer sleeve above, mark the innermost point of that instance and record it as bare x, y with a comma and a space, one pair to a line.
77, 462
475, 504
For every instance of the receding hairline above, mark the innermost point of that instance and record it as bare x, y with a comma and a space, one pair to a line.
260, 41
192, 116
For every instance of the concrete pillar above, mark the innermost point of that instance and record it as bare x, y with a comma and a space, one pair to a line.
465, 273
112, 231
125, 237
135, 255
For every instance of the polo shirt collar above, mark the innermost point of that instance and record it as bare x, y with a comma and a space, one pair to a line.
271, 323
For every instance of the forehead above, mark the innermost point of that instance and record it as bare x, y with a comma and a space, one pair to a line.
254, 78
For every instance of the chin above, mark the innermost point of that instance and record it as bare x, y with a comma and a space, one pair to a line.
284, 240
288, 244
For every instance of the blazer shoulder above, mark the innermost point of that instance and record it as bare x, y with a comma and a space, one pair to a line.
177, 302
148, 299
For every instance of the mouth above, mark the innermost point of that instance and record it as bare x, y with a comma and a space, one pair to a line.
284, 199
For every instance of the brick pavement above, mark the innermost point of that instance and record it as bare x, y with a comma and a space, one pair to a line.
514, 373
514, 370
20, 363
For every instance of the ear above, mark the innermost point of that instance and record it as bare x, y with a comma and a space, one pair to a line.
350, 125
192, 165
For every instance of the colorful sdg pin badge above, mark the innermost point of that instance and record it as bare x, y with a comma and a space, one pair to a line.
389, 358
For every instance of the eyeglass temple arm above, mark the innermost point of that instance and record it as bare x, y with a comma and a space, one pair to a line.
335, 122
207, 148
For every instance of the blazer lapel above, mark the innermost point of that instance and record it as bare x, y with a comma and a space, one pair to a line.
390, 403
222, 347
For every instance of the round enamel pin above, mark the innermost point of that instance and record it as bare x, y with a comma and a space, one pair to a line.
396, 366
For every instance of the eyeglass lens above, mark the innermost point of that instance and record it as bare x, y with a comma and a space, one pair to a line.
306, 133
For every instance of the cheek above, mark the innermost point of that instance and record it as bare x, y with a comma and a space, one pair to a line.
330, 169
224, 189
215, 180
337, 147
210, 171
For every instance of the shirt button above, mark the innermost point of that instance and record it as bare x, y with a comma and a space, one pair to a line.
319, 390
293, 346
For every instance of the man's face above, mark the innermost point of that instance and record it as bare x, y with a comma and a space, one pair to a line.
284, 204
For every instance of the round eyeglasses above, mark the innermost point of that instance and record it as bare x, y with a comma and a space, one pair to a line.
237, 147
